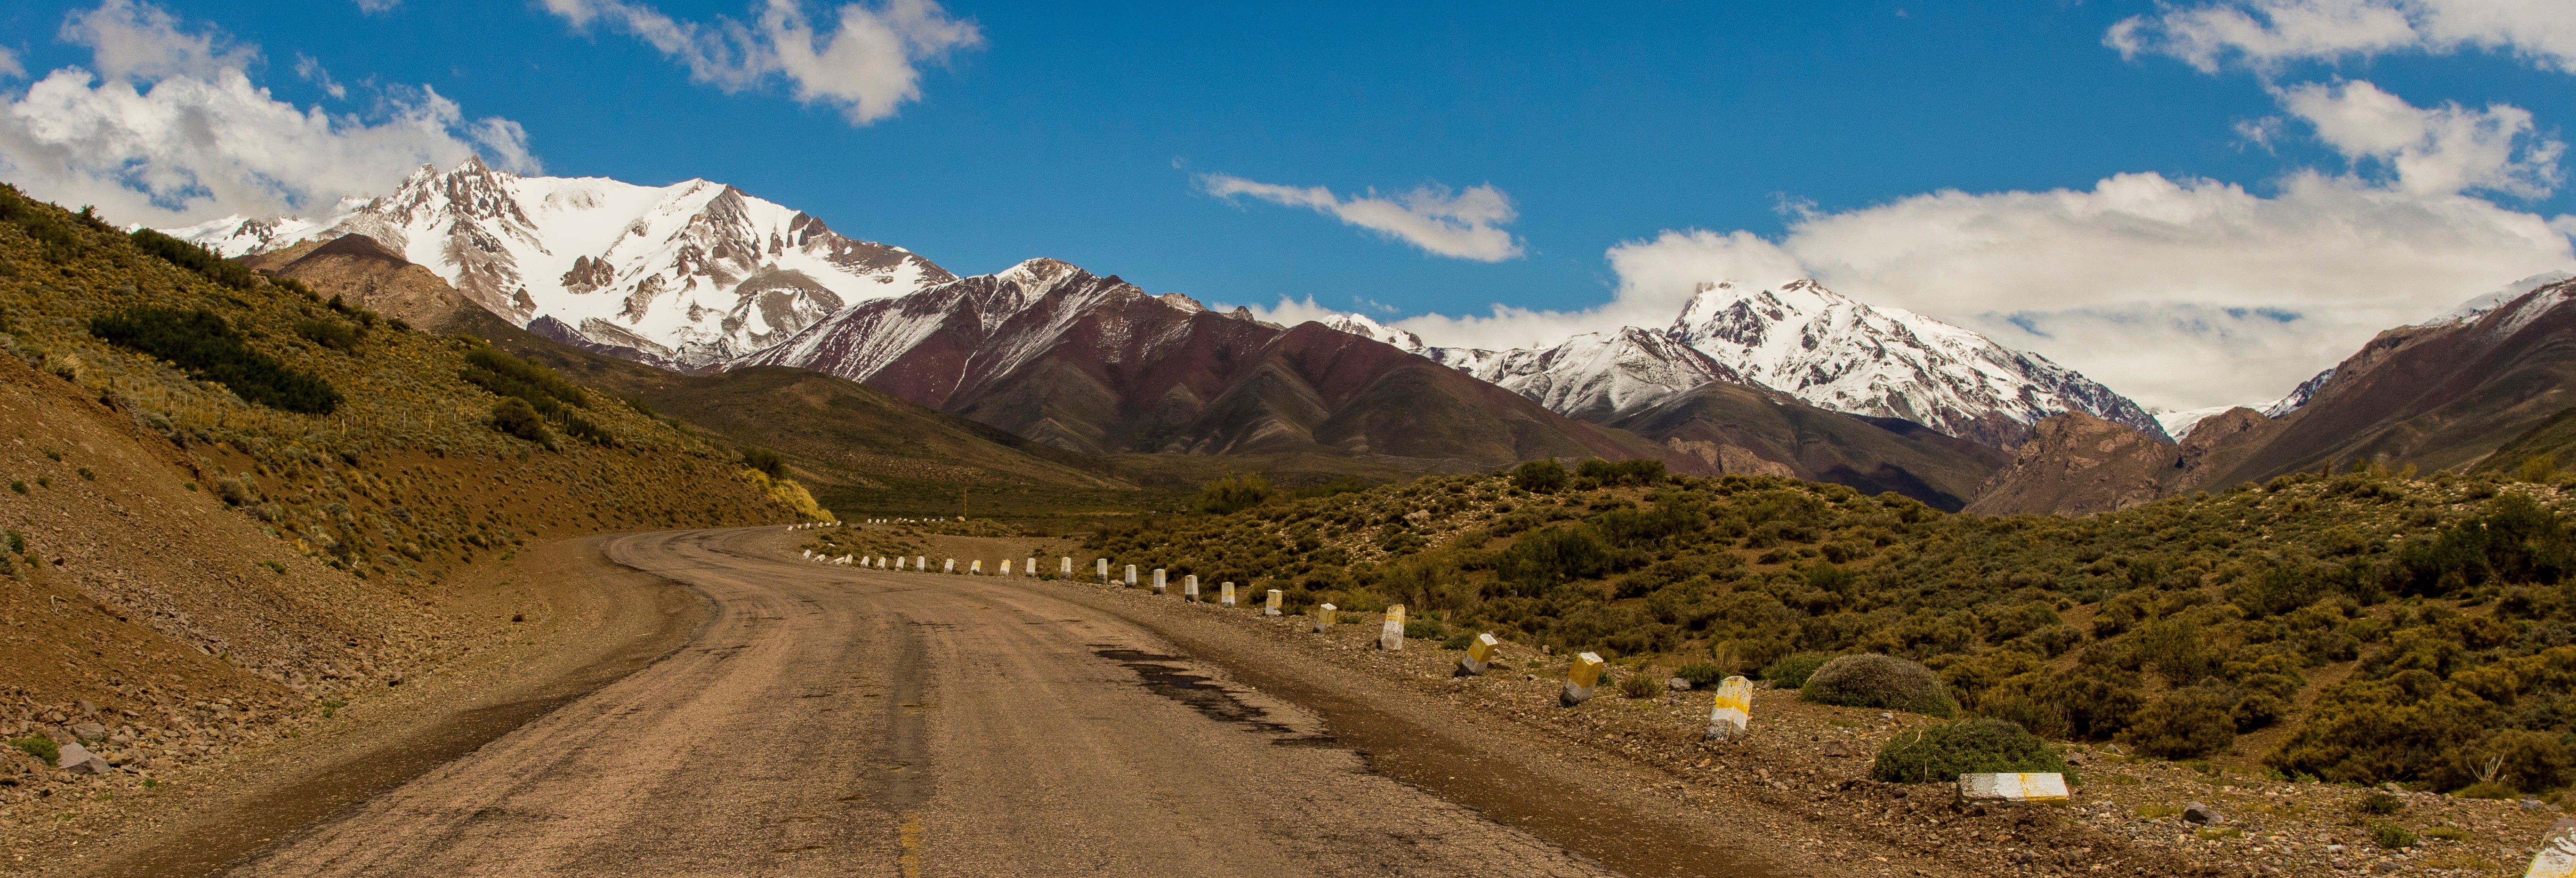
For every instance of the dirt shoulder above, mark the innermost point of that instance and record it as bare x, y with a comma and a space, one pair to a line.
594, 622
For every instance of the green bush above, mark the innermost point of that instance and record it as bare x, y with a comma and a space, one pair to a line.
206, 347
195, 258
766, 461
1971, 746
1234, 494
2391, 836
1881, 681
2184, 723
1640, 686
1791, 672
1540, 477
40, 747
1700, 674
514, 417
1639, 471
328, 333
2380, 803
1423, 629
1459, 641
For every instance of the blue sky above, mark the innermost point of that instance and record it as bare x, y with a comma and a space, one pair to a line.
1098, 133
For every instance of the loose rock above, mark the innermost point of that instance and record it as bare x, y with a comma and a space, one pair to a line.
2199, 813
78, 760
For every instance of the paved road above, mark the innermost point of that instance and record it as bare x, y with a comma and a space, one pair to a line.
838, 721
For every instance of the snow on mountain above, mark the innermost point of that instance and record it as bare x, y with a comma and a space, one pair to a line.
1803, 340
2178, 424
687, 275
2478, 307
1003, 320
2298, 396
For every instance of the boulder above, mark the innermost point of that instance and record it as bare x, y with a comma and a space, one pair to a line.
1677, 684
2196, 812
78, 760
89, 731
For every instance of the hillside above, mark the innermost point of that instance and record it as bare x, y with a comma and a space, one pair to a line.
854, 446
2273, 620
281, 506
1741, 429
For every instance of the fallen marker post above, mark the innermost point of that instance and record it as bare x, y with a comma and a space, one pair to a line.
1728, 717
2008, 787
1390, 634
1580, 680
1272, 608
1480, 654
1323, 617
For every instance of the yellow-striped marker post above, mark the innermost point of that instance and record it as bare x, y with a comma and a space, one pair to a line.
1390, 635
1158, 580
2013, 787
976, 567
1324, 617
2557, 856
1580, 680
1734, 708
1006, 567
1272, 608
1480, 654
1226, 598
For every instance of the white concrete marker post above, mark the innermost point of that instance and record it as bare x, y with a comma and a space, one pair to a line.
976, 567
950, 567
1064, 571
1580, 680
2010, 787
1006, 567
1131, 576
1104, 570
809, 553
1190, 587
1031, 569
921, 563
1733, 710
1480, 654
2557, 856
1390, 636
1158, 580
1225, 598
898, 562
1324, 617
1273, 607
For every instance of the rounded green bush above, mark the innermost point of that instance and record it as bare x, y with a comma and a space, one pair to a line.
1701, 675
1873, 680
1970, 746
1791, 672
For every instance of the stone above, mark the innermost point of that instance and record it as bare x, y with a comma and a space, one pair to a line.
1730, 714
1837, 750
1480, 654
89, 731
2557, 856
1390, 636
2195, 812
85, 707
1581, 679
77, 759
1677, 684
2012, 787
2533, 804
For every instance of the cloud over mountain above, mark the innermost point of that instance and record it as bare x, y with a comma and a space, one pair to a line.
867, 67
1459, 225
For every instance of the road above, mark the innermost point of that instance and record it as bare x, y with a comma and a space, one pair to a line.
844, 721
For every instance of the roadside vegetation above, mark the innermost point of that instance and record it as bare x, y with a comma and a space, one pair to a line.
2420, 630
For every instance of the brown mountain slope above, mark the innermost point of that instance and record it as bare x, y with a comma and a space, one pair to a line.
857, 448
1739, 429
2437, 396
1097, 366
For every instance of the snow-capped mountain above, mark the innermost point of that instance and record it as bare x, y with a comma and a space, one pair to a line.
2478, 307
1803, 340
2178, 424
685, 276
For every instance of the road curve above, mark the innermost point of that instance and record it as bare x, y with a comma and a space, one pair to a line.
843, 721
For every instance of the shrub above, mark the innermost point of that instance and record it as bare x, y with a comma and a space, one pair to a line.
328, 333
40, 747
2517, 760
514, 417
1971, 746
2391, 836
766, 461
195, 258
1458, 641
1539, 477
2380, 803
1873, 680
1234, 494
1701, 674
1640, 685
1791, 672
1627, 472
206, 347
1423, 629
2184, 723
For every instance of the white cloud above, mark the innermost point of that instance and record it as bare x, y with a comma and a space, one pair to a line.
170, 130
867, 67
1460, 225
9, 65
372, 7
310, 70
2181, 293
2264, 33
2443, 149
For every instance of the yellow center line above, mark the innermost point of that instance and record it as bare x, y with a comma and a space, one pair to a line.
911, 834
